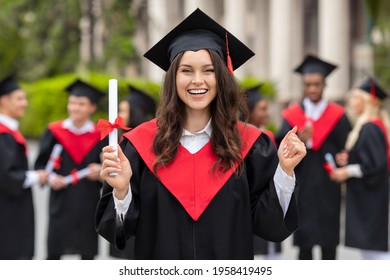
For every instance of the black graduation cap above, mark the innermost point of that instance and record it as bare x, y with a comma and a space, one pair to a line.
313, 64
372, 87
80, 88
8, 85
141, 100
198, 31
253, 96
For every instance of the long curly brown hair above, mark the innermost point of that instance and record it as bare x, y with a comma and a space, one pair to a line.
226, 108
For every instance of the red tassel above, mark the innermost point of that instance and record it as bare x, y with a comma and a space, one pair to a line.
228, 58
372, 89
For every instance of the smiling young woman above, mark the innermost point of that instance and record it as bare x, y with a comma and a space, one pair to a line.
195, 182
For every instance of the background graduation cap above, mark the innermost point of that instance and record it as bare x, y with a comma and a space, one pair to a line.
142, 100
8, 85
313, 64
372, 87
199, 31
80, 88
253, 95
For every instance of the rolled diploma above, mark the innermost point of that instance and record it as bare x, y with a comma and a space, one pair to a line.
55, 153
330, 160
113, 114
82, 173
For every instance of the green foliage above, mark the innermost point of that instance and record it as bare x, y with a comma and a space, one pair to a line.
267, 90
40, 38
48, 98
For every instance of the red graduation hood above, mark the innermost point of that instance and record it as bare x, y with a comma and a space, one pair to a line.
188, 177
15, 134
295, 116
77, 146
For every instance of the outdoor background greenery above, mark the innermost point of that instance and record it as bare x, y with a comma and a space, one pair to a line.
40, 44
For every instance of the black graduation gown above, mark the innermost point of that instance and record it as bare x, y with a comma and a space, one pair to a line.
367, 201
319, 198
16, 203
126, 253
72, 209
260, 245
165, 229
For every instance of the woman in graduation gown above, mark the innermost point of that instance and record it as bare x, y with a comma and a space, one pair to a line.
72, 205
365, 169
16, 201
195, 183
258, 116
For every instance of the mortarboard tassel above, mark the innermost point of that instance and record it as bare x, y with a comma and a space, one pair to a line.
228, 58
372, 89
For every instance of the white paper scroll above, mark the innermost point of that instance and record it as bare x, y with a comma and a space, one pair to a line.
55, 153
113, 114
330, 160
80, 174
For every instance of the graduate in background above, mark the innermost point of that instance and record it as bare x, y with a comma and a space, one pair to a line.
259, 116
16, 203
72, 206
365, 169
323, 126
196, 183
138, 107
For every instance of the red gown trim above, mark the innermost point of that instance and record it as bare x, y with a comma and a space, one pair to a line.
295, 116
76, 145
188, 177
15, 134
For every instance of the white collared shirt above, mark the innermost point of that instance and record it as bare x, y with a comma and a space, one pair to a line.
32, 177
87, 127
193, 142
313, 112
9, 122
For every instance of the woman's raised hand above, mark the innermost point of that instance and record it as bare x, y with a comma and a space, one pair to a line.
291, 151
119, 165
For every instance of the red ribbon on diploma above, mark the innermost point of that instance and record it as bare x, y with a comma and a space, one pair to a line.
56, 161
106, 127
328, 168
75, 178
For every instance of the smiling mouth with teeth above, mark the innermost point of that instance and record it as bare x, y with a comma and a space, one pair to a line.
197, 91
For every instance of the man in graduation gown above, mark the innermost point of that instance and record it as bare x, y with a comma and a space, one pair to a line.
72, 205
16, 203
324, 127
184, 210
365, 168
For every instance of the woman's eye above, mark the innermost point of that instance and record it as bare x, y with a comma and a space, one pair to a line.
185, 70
210, 70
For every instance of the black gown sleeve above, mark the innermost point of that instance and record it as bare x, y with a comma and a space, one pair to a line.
107, 224
46, 144
371, 150
12, 176
267, 214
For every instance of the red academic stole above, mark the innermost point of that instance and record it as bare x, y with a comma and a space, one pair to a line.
76, 145
381, 125
189, 177
295, 116
15, 134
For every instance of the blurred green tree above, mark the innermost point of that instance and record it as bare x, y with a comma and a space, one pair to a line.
41, 38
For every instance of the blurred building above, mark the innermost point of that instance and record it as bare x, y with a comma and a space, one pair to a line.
280, 32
